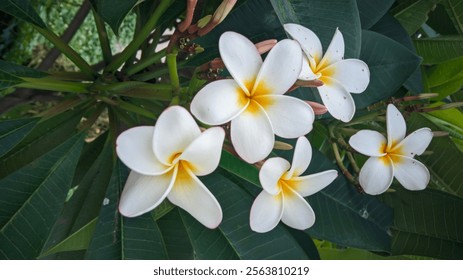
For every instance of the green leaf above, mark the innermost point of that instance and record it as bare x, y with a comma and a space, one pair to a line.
31, 199
74, 242
439, 49
175, 236
323, 17
440, 21
13, 131
413, 13
371, 11
113, 12
238, 167
445, 174
445, 78
23, 10
117, 237
455, 10
426, 223
390, 63
10, 74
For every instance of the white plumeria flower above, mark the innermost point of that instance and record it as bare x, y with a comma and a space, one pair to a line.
165, 160
284, 189
253, 100
392, 157
339, 76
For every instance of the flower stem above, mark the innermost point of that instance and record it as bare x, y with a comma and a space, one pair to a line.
145, 62
53, 85
103, 37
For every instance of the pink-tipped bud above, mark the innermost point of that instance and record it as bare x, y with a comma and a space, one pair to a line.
265, 46
220, 14
311, 83
190, 9
318, 109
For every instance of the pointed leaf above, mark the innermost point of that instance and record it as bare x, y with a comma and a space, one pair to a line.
10, 73
439, 49
455, 10
13, 131
113, 12
240, 168
412, 14
31, 199
372, 10
23, 10
176, 238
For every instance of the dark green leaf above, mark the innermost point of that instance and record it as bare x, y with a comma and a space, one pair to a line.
175, 236
440, 21
113, 12
238, 167
426, 223
13, 131
390, 63
372, 10
31, 199
439, 49
413, 13
10, 73
117, 237
455, 10
323, 17
23, 10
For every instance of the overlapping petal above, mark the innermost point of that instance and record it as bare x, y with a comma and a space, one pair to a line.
301, 158
335, 51
241, 58
337, 100
290, 117
190, 194
306, 72
310, 184
410, 173
280, 69
369, 142
376, 175
297, 213
266, 212
135, 149
396, 127
271, 172
174, 131
309, 42
203, 154
415, 143
143, 193
252, 134
353, 74
219, 102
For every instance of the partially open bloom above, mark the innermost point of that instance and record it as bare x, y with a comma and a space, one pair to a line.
392, 157
339, 76
165, 160
253, 100
284, 189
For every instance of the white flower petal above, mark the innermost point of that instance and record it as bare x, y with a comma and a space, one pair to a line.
396, 127
337, 100
219, 102
271, 172
143, 193
135, 149
301, 158
335, 51
203, 154
174, 131
190, 194
310, 184
306, 72
280, 69
410, 173
266, 212
368, 142
290, 117
376, 175
252, 134
415, 143
309, 42
353, 74
241, 58
297, 212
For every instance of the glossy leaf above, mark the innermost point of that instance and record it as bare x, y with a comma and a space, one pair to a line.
426, 223
372, 10
10, 74
113, 12
445, 78
23, 10
31, 199
412, 14
323, 17
390, 63
13, 131
439, 49
117, 237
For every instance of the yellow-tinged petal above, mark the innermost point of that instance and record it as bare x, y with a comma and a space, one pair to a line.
271, 172
308, 41
369, 143
301, 158
337, 100
415, 143
376, 175
266, 212
310, 184
353, 74
297, 212
335, 51
396, 127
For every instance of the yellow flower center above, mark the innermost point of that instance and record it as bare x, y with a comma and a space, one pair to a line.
257, 96
392, 153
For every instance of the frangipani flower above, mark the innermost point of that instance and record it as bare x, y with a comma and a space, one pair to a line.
253, 100
392, 157
284, 189
165, 160
339, 76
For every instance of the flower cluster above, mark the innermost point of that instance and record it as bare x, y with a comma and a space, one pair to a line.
166, 159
